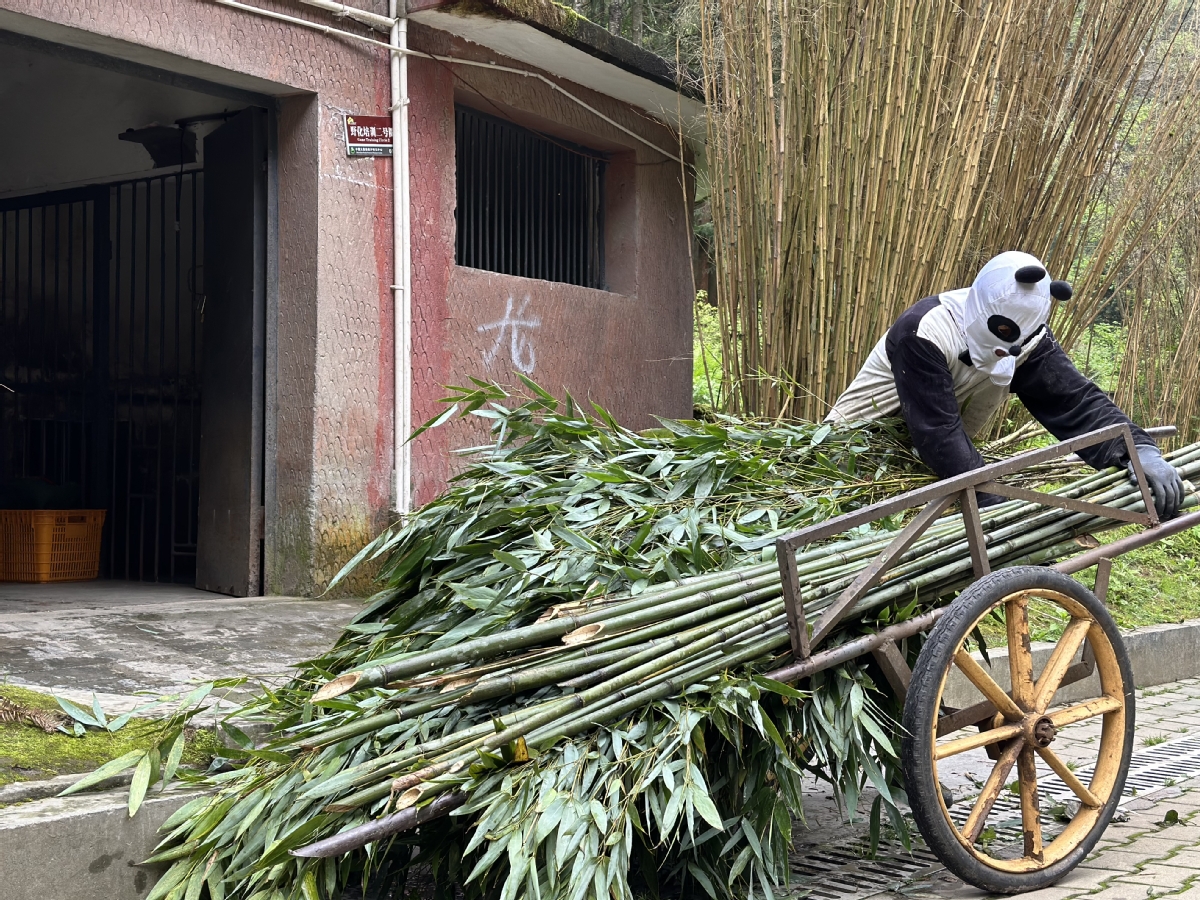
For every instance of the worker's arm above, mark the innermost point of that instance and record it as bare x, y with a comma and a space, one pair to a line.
927, 402
1060, 397
1068, 404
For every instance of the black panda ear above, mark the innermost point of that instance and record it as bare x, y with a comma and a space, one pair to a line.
1061, 290
1030, 274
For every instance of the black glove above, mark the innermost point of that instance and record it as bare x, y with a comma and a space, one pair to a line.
1165, 484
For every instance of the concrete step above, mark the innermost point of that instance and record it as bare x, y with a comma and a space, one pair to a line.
82, 847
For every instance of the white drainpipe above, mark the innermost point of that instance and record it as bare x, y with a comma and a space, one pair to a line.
402, 256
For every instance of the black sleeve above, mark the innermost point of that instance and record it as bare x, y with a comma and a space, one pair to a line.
1059, 396
927, 401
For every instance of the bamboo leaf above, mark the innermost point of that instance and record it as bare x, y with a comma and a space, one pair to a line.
184, 812
120, 721
141, 781
77, 713
106, 771
440, 419
703, 879
216, 883
196, 696
876, 808
98, 713
239, 737
174, 756
170, 879
708, 811
509, 560
195, 884
495, 848
877, 733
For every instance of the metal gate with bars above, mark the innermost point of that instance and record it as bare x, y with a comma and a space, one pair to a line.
101, 305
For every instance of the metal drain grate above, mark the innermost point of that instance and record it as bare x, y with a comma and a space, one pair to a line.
1150, 769
844, 871
1153, 767
837, 873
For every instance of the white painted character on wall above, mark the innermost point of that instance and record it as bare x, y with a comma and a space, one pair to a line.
518, 327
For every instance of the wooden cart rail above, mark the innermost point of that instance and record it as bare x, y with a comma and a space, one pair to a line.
935, 499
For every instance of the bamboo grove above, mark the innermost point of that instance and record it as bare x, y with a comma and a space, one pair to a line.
565, 672
863, 155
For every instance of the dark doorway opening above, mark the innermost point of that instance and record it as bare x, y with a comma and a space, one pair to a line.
133, 234
101, 293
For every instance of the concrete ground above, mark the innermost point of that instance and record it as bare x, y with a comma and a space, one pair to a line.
1140, 857
120, 638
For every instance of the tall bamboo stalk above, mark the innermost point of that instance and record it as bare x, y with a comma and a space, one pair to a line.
866, 154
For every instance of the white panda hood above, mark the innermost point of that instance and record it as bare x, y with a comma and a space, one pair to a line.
1008, 303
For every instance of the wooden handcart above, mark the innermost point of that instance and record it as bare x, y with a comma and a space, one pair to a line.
1011, 727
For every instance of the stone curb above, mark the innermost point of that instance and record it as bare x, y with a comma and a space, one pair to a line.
1159, 654
83, 847
24, 791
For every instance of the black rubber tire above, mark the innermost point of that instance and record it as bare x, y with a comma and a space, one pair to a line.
922, 707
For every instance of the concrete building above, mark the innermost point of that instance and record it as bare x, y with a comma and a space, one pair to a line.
196, 277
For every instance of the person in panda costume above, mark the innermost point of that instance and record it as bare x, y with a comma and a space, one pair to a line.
949, 362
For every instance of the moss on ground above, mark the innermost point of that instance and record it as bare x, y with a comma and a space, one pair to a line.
28, 753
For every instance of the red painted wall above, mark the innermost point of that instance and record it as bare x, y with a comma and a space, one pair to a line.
627, 349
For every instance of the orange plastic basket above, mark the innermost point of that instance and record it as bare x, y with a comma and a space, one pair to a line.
50, 545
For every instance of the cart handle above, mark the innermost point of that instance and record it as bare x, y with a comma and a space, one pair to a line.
936, 498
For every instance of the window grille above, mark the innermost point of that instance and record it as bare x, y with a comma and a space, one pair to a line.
527, 205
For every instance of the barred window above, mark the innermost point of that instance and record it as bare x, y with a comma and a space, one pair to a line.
528, 205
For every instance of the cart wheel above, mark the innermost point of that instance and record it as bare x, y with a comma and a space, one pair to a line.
1022, 730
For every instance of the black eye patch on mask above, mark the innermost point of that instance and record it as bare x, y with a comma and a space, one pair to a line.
1004, 328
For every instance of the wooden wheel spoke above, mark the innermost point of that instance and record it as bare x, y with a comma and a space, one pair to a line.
1031, 822
975, 741
987, 685
973, 827
1086, 797
1060, 660
1072, 714
1020, 652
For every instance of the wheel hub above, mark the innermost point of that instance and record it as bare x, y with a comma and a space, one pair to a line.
1043, 732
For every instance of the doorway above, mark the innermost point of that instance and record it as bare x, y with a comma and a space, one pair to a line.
100, 293
129, 306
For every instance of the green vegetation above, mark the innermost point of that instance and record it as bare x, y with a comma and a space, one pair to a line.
1098, 354
28, 753
1156, 584
706, 354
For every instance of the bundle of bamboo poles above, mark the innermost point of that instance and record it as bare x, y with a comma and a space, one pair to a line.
864, 155
527, 666
614, 656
